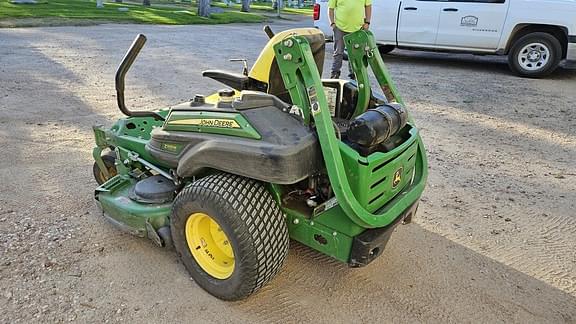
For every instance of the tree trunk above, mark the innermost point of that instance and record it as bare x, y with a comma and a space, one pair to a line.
278, 7
204, 8
245, 6
118, 1
146, 3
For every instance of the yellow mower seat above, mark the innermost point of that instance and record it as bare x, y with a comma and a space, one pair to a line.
265, 74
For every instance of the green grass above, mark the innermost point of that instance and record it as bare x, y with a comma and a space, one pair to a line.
86, 10
255, 5
266, 7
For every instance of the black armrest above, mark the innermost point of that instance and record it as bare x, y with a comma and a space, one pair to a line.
236, 81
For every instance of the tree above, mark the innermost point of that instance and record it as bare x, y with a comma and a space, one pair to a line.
245, 6
146, 3
204, 8
277, 5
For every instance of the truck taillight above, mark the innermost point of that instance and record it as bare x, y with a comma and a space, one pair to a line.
316, 11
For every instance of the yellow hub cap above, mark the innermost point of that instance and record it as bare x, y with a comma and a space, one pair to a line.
209, 245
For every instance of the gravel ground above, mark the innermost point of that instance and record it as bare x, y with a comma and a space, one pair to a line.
494, 241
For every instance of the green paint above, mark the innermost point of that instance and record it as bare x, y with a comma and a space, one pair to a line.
132, 134
372, 179
113, 197
100, 138
366, 194
319, 236
224, 123
303, 82
363, 52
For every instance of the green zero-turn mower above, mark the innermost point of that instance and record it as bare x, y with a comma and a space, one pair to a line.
228, 178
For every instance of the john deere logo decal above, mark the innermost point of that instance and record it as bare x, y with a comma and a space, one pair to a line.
207, 122
397, 178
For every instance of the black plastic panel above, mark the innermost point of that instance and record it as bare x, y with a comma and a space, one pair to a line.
371, 243
287, 153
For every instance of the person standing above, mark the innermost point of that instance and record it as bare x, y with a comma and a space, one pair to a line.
346, 16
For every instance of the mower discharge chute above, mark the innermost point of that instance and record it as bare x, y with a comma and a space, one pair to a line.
227, 179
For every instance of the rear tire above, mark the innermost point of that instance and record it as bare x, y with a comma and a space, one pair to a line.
535, 55
247, 230
385, 49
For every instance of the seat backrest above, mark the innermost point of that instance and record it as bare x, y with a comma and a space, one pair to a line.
266, 70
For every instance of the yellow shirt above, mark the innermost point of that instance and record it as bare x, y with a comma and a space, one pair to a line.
349, 14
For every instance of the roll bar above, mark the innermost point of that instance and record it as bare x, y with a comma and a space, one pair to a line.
125, 65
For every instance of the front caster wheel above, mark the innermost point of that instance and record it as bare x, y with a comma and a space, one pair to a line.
109, 160
230, 234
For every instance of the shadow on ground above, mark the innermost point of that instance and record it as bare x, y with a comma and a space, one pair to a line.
421, 277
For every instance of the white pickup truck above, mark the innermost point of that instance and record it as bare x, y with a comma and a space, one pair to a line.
535, 34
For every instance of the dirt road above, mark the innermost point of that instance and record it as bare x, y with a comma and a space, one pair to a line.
494, 241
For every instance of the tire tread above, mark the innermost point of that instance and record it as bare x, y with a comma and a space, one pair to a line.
260, 227
555, 49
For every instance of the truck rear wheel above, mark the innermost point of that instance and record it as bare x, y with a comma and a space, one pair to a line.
385, 49
535, 55
230, 234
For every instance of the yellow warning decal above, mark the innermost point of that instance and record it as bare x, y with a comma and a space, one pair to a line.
397, 178
207, 122
170, 147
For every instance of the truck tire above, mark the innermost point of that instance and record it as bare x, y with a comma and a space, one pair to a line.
230, 234
535, 55
385, 49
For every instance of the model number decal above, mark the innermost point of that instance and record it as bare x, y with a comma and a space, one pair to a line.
170, 147
485, 30
207, 122
312, 96
329, 204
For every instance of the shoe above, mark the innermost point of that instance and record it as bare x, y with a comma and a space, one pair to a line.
335, 75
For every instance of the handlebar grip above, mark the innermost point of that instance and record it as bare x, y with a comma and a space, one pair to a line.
125, 65
128, 60
268, 31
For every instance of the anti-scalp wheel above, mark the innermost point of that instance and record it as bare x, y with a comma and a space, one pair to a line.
109, 159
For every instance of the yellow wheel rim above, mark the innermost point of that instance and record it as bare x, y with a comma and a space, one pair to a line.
209, 246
